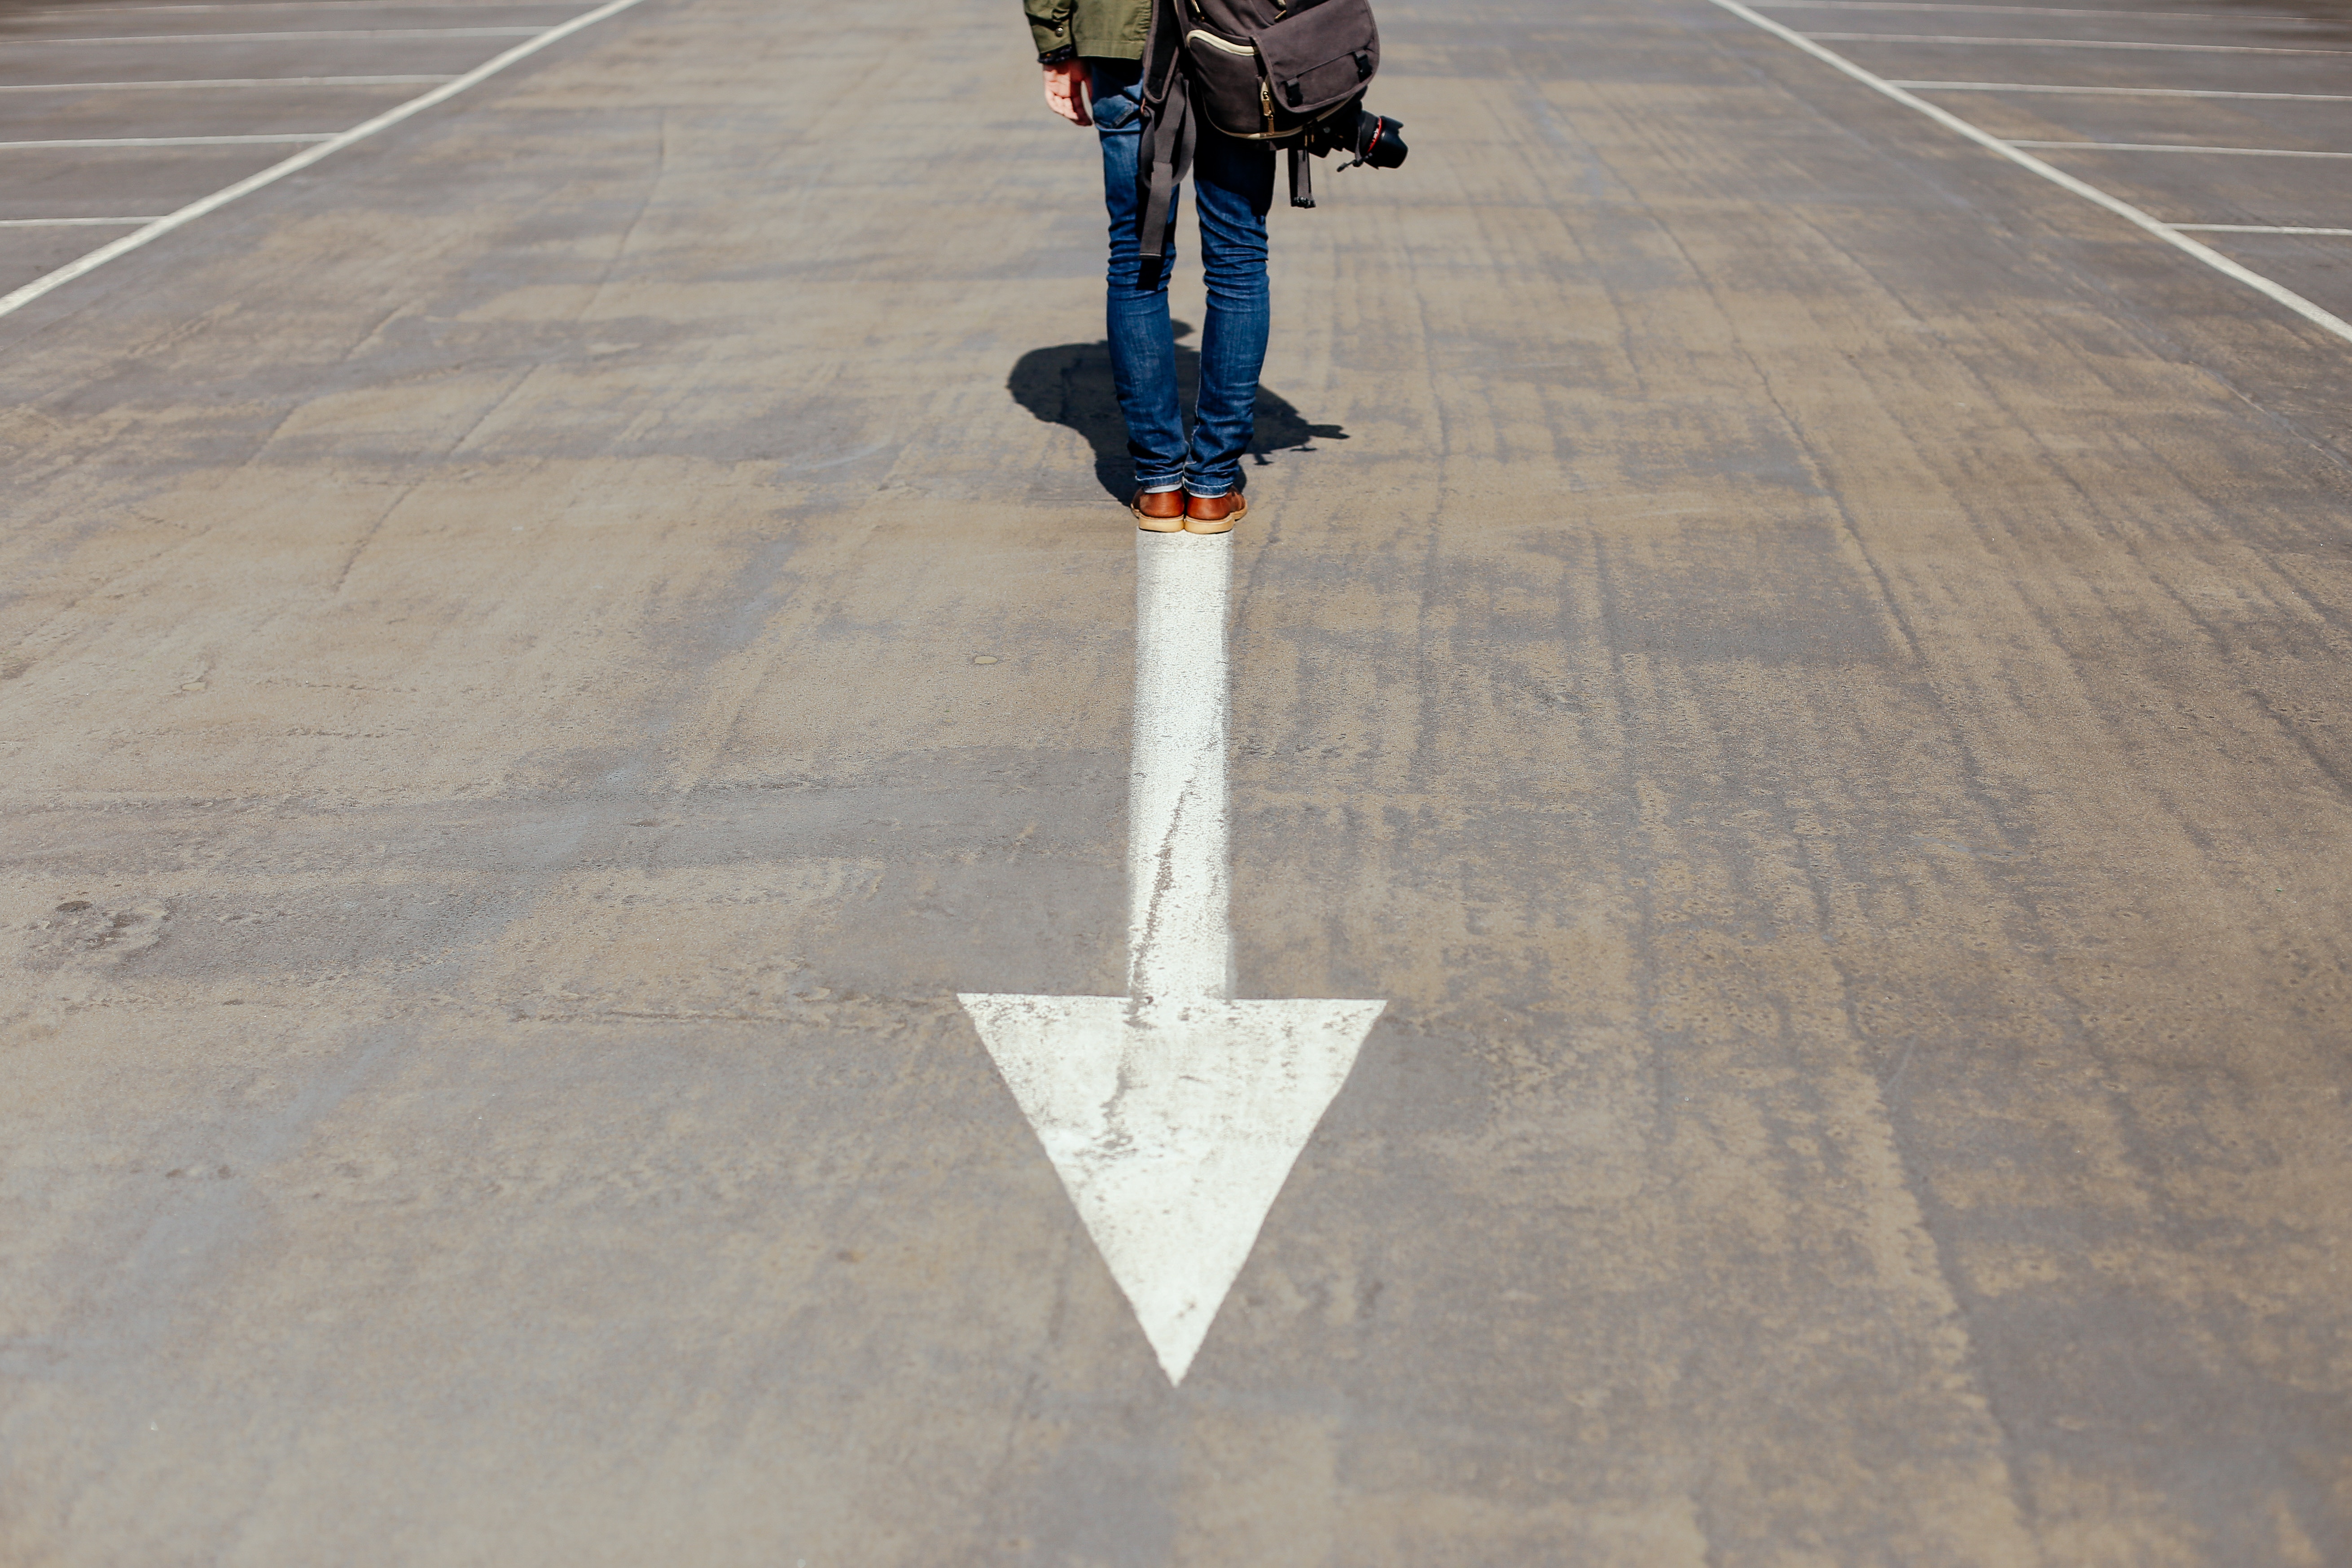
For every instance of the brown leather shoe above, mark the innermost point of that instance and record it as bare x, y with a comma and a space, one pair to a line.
1215, 514
1159, 511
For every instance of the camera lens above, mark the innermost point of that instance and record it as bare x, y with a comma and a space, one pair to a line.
1380, 141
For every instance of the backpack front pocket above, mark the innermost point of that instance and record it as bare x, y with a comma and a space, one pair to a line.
1232, 94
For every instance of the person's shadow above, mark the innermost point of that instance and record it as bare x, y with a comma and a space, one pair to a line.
1070, 384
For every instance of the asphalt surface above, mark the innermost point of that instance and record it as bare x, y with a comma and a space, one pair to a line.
1806, 663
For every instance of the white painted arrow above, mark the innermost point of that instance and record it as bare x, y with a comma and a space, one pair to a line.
1174, 1113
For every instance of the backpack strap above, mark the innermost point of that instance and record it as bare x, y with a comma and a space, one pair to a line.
1168, 135
1168, 142
1302, 175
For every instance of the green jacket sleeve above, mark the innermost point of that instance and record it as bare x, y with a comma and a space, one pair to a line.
1049, 23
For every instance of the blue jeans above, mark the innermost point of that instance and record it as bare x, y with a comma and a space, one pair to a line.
1234, 186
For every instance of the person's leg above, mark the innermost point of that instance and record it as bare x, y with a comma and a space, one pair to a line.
1233, 186
1142, 341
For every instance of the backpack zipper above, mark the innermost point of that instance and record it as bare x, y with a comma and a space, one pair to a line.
1203, 35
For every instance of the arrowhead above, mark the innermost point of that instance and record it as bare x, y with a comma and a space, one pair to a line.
1173, 1125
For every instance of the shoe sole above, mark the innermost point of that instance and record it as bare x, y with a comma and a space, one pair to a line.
1156, 525
1223, 524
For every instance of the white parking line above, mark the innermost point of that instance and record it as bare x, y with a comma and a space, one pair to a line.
2324, 318
282, 37
2176, 147
2121, 92
2030, 11
72, 221
304, 159
2264, 229
2066, 43
173, 141
228, 82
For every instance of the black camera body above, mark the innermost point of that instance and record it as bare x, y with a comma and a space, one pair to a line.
1373, 138
1369, 138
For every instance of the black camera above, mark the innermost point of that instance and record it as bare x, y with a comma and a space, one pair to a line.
1373, 138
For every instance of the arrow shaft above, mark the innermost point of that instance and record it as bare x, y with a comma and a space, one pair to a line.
1180, 939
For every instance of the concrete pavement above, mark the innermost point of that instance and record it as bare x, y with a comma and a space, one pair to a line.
1803, 662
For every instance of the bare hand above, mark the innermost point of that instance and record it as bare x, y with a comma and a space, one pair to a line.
1064, 91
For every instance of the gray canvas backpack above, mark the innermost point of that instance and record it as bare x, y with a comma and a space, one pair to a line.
1289, 72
